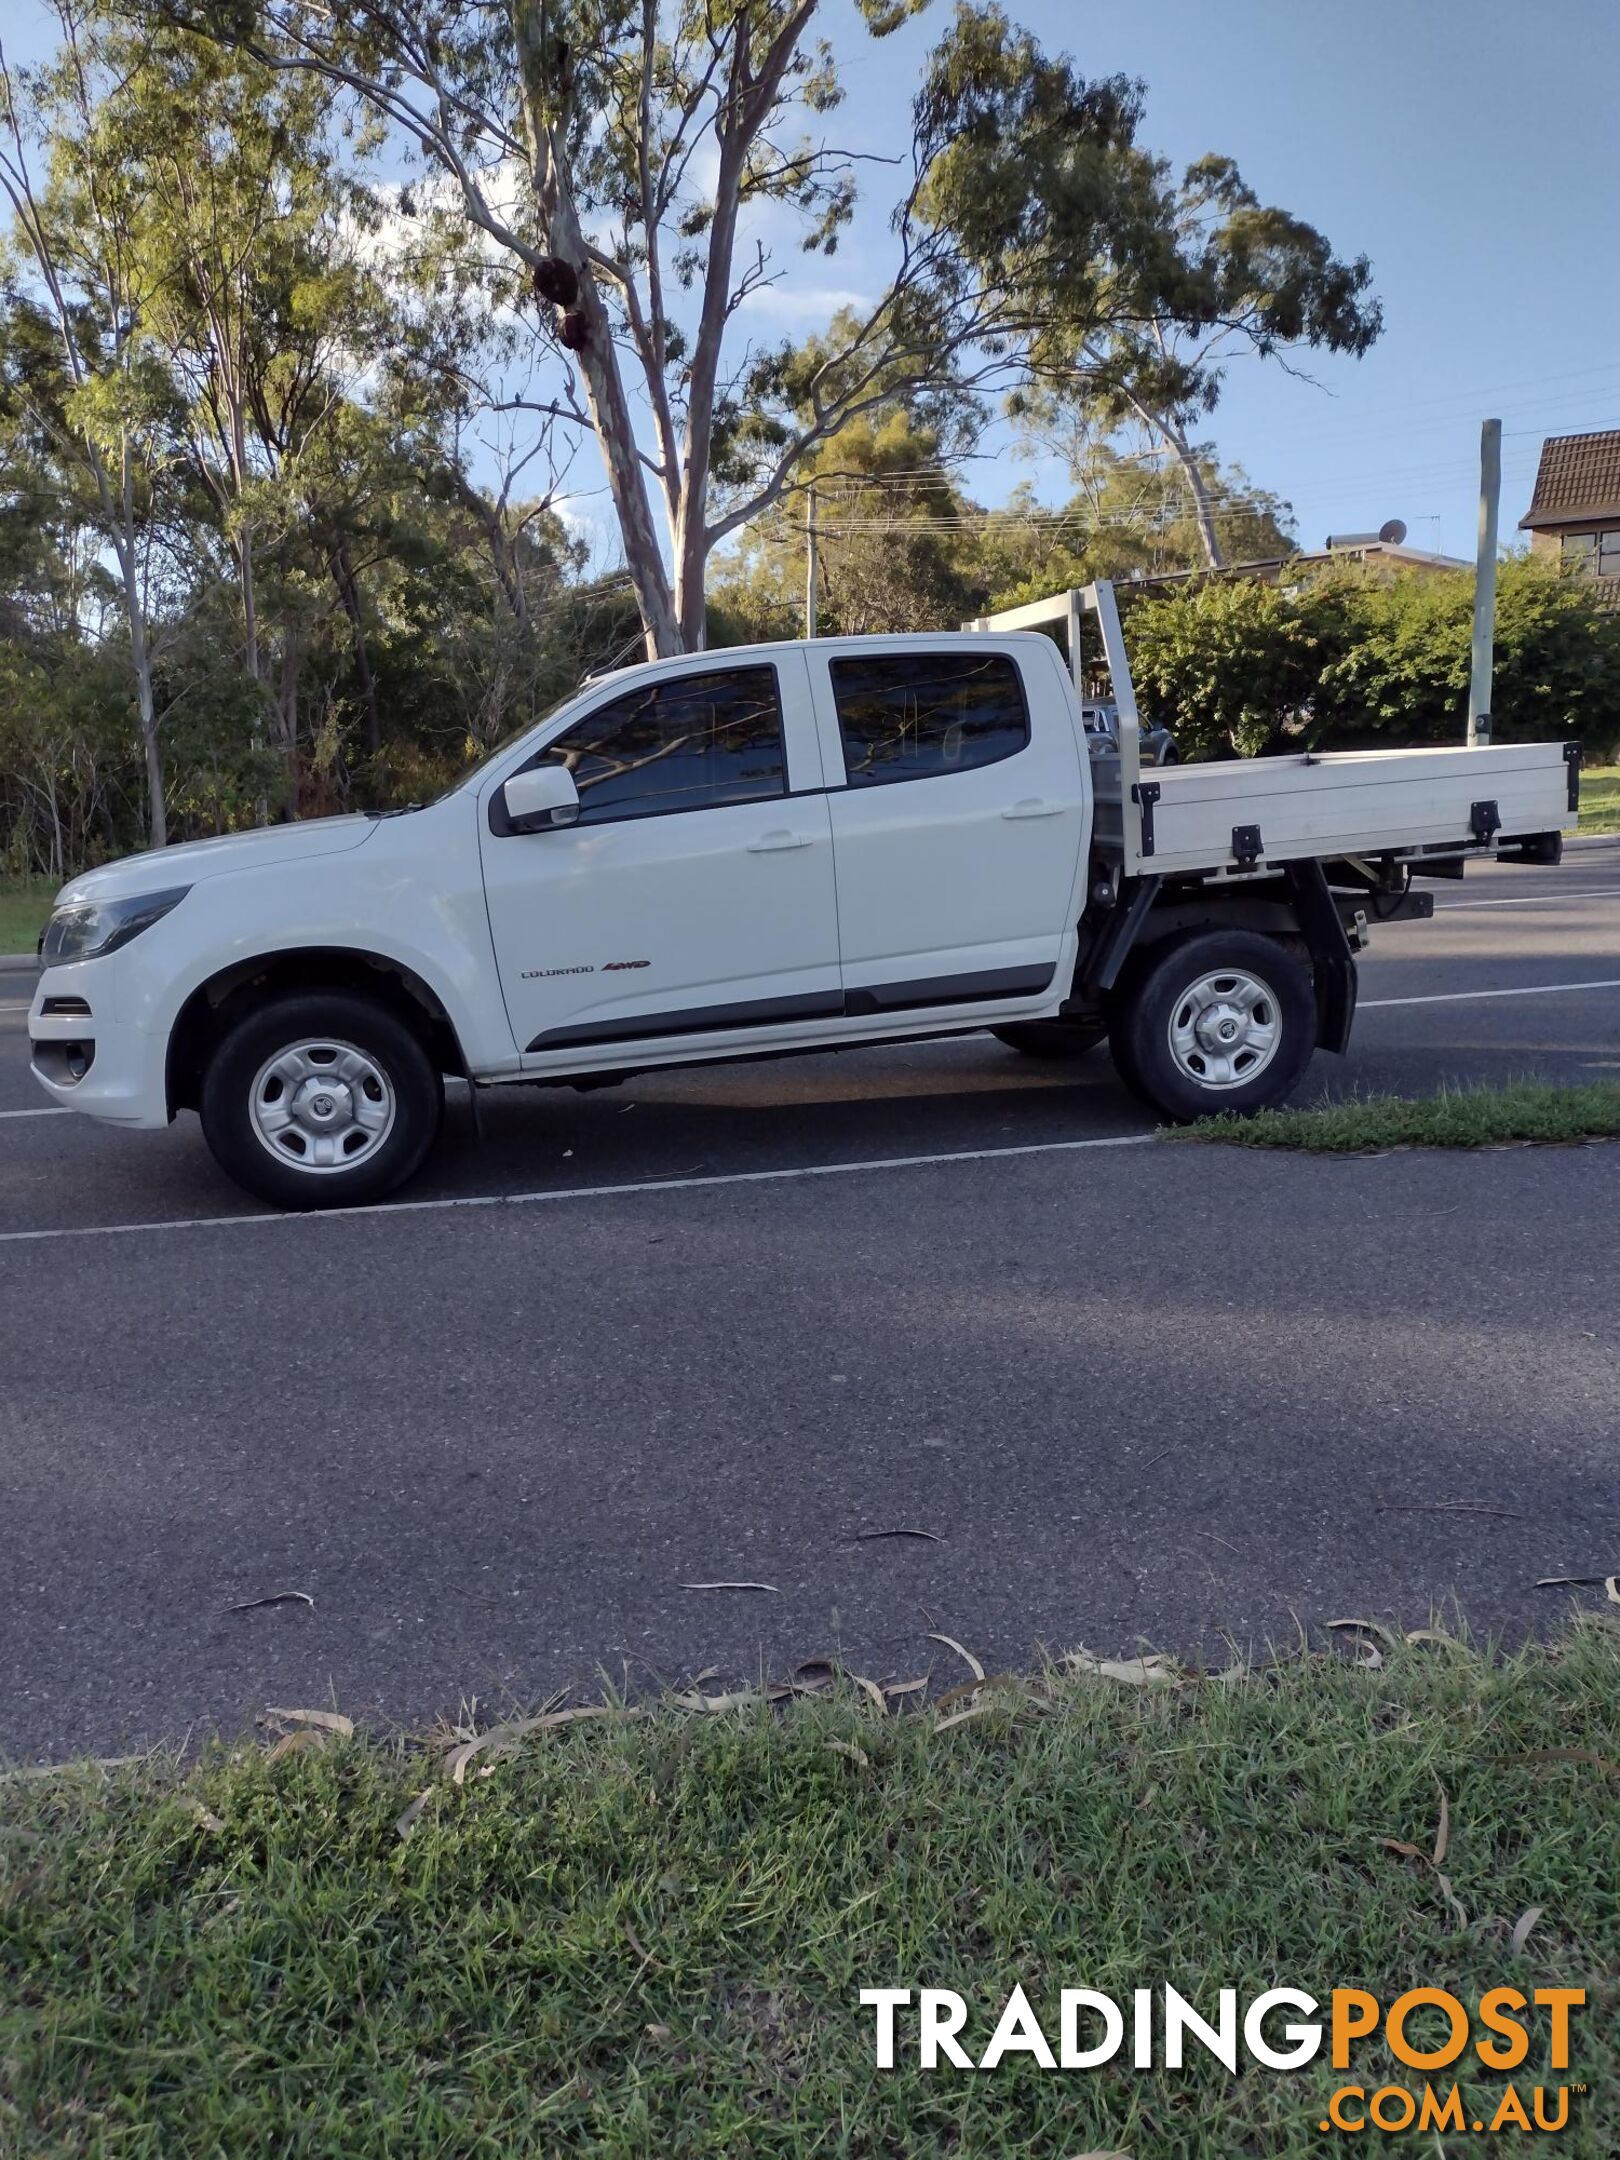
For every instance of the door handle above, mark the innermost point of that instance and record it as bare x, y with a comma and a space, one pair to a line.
775, 841
1032, 806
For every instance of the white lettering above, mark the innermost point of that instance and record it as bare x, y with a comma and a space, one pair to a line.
942, 2015
1019, 2033
1180, 2017
1074, 2056
1306, 2038
885, 2001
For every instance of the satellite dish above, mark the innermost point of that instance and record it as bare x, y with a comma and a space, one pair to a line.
1394, 532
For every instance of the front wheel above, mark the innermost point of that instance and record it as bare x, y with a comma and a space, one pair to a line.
1224, 1020
320, 1100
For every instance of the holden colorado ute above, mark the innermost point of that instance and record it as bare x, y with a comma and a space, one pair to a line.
758, 851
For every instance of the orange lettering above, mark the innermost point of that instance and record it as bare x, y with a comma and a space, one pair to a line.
1560, 2001
1419, 2058
1355, 2014
1491, 2009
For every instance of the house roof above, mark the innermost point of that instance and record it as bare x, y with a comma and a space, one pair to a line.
1579, 477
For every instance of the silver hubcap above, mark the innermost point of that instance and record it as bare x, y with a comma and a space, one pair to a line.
1224, 1029
321, 1106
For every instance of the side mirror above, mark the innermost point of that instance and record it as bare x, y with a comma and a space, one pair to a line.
545, 795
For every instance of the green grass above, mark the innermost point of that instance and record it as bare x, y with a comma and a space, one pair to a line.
24, 905
1600, 799
646, 1937
1458, 1117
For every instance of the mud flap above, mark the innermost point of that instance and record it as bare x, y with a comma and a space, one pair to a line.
1333, 964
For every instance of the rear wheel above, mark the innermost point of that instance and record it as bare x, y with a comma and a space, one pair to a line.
1224, 1020
1050, 1038
320, 1099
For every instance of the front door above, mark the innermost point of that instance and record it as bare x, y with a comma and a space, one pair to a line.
694, 897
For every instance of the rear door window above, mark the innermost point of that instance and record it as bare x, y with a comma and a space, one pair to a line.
919, 716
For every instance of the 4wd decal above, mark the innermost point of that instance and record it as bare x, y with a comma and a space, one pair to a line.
608, 967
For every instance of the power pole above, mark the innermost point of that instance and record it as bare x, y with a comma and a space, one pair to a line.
1490, 493
810, 563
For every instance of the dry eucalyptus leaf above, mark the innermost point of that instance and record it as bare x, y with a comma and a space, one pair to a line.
1370, 1627
871, 1689
275, 1597
1522, 1926
1442, 1835
291, 1743
769, 1587
404, 1824
967, 1657
1570, 1582
1611, 1588
1130, 1672
961, 1717
848, 1747
505, 1736
328, 1720
930, 1537
904, 1687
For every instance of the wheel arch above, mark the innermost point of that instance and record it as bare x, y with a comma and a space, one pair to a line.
221, 997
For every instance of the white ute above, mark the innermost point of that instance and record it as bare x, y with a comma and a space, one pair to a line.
778, 848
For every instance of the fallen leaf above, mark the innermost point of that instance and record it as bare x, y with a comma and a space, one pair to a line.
961, 1717
406, 1823
871, 1688
848, 1747
1521, 1930
1611, 1588
904, 1687
1434, 1635
1451, 1898
1131, 1672
1570, 1582
742, 1699
328, 1720
291, 1743
653, 2032
1410, 1852
506, 1736
767, 1586
1371, 1627
931, 1537
275, 1597
203, 1817
967, 1657
1442, 1835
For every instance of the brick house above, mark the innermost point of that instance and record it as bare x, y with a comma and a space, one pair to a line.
1574, 514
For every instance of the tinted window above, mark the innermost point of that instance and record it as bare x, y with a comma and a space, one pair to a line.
689, 744
912, 716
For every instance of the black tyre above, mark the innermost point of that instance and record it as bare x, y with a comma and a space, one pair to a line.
1224, 1020
1050, 1038
320, 1099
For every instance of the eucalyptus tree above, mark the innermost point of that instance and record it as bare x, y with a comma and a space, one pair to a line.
91, 382
630, 160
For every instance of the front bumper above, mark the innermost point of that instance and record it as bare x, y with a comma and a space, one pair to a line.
86, 1058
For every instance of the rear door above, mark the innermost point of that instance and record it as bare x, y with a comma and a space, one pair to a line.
959, 810
694, 896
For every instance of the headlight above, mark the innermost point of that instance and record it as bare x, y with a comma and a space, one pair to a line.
90, 927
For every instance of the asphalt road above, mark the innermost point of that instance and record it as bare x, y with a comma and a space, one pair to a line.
1137, 1394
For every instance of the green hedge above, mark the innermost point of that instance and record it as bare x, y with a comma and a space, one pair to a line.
1368, 658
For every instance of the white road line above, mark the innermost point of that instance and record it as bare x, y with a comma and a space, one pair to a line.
1546, 899
583, 1192
44, 1110
1467, 997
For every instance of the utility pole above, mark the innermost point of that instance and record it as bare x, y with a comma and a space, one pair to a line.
810, 562
1490, 492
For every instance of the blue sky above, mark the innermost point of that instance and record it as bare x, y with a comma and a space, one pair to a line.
1466, 146
1469, 147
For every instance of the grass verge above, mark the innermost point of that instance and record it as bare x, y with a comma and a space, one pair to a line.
24, 905
1458, 1117
646, 1936
1600, 800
